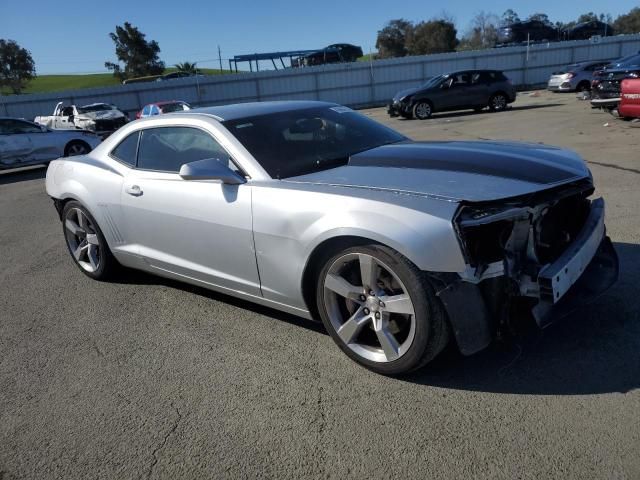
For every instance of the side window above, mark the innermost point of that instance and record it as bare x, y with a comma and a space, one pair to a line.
166, 149
4, 127
126, 150
17, 127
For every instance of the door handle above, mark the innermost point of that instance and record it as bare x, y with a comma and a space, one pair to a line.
134, 190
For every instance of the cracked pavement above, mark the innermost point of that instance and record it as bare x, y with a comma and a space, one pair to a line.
146, 378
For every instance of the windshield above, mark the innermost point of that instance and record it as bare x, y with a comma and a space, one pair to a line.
296, 142
174, 107
628, 60
94, 108
433, 81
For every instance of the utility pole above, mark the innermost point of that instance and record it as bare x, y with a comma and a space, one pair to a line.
220, 58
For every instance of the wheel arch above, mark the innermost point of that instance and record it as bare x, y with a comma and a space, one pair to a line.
75, 141
314, 264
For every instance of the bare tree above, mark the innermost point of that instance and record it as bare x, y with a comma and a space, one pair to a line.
482, 32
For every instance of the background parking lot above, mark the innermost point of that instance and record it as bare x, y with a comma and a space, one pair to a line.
146, 378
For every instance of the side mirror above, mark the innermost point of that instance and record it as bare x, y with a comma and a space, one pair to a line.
210, 169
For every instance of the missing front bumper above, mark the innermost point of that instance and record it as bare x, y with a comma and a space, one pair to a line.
598, 276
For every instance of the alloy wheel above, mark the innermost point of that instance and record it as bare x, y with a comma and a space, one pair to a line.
82, 240
423, 110
498, 102
369, 307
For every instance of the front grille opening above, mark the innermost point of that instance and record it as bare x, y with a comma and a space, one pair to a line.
485, 243
558, 227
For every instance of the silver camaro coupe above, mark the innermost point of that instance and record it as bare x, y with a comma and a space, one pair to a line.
312, 208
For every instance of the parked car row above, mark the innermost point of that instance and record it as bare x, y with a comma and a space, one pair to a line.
71, 130
612, 85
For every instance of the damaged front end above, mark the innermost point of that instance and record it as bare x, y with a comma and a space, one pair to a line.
535, 257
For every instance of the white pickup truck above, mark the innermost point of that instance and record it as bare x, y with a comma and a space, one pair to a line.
101, 118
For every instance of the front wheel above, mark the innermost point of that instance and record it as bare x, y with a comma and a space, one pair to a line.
380, 309
498, 102
422, 110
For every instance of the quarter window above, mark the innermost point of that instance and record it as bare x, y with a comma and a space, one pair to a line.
126, 150
166, 149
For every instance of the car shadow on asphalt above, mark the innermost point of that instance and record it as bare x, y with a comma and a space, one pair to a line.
594, 350
471, 113
138, 277
23, 174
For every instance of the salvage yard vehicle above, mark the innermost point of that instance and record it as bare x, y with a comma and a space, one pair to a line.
101, 118
26, 143
338, 52
605, 86
630, 99
317, 210
158, 108
469, 89
575, 77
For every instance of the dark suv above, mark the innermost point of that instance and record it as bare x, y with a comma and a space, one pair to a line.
469, 89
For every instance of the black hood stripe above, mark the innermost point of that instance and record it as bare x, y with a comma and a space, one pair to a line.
532, 165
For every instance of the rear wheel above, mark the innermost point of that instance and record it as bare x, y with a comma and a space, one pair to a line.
76, 148
422, 110
86, 243
498, 102
380, 309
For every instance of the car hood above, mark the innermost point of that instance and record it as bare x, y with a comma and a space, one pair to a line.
101, 115
456, 171
403, 93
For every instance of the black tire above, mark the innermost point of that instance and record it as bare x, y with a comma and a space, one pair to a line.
422, 110
498, 102
584, 86
431, 325
76, 147
107, 265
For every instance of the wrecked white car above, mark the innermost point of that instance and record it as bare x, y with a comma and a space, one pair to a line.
101, 118
25, 143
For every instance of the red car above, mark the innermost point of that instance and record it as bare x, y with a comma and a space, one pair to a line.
630, 98
163, 107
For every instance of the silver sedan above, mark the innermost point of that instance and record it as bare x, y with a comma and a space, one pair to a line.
26, 143
314, 209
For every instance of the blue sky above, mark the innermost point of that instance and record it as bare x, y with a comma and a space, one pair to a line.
69, 36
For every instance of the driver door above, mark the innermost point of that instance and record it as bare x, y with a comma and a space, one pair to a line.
15, 145
194, 229
454, 92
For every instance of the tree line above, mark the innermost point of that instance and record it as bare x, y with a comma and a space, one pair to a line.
400, 37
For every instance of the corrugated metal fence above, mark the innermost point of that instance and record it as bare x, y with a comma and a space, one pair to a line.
360, 84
